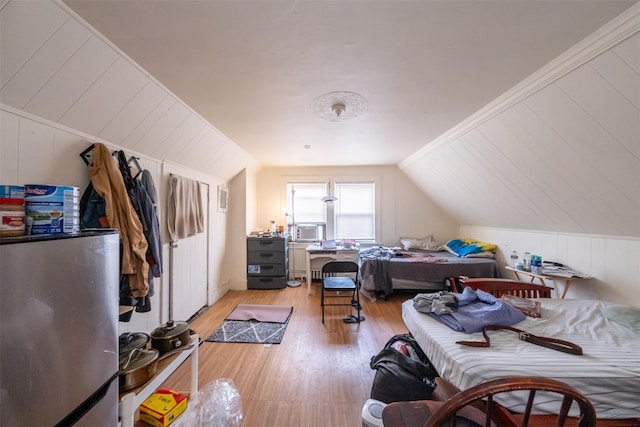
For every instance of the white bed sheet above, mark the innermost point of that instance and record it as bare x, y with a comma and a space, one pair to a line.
608, 372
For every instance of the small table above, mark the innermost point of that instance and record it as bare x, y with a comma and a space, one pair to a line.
323, 256
542, 277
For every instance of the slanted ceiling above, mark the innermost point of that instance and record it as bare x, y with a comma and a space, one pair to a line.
56, 68
564, 159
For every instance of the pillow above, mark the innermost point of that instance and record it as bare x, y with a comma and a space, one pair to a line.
469, 248
629, 317
428, 243
484, 254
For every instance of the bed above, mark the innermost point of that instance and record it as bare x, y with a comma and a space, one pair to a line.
421, 270
608, 372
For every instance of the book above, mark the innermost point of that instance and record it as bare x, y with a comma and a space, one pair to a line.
529, 307
561, 271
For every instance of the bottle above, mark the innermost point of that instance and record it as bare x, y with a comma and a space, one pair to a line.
274, 229
536, 264
514, 259
526, 262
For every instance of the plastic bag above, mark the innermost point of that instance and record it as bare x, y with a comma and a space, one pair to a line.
216, 405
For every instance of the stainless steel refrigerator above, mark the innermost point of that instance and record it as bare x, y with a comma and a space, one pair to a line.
59, 330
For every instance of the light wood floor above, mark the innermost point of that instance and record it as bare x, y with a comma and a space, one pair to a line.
318, 376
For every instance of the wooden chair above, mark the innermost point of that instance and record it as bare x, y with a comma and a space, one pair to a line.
476, 406
499, 287
336, 278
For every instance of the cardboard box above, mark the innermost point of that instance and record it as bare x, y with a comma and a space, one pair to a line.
163, 407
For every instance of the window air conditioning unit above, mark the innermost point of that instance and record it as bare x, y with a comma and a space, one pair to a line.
310, 232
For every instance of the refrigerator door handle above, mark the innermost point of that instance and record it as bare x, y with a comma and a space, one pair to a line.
74, 416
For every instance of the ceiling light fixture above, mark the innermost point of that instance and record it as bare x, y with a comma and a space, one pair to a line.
329, 199
339, 106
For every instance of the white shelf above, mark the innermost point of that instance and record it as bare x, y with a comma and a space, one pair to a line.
542, 278
130, 401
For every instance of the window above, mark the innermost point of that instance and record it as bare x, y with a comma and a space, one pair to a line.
303, 201
354, 211
352, 216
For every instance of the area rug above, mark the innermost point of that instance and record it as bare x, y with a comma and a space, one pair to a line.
261, 313
250, 330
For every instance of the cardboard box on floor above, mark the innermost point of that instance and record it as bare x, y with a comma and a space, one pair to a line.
163, 407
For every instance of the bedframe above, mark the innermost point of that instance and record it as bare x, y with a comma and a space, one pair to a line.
608, 372
420, 270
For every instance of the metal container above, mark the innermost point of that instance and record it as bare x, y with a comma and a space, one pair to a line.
129, 341
170, 336
137, 367
52, 209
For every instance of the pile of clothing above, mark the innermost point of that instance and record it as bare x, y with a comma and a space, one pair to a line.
469, 311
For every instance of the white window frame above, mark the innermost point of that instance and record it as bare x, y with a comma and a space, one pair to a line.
336, 193
330, 182
290, 209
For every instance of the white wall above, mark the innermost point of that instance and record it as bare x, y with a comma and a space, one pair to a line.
242, 212
553, 166
35, 151
559, 152
404, 210
55, 66
612, 262
63, 86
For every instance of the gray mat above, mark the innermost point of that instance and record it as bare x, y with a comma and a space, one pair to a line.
249, 331
262, 313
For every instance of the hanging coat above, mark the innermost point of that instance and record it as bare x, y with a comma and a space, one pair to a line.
108, 183
152, 231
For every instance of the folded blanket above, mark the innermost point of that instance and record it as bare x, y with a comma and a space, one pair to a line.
467, 247
377, 252
476, 309
419, 257
443, 302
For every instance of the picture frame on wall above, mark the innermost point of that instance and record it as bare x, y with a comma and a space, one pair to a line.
223, 199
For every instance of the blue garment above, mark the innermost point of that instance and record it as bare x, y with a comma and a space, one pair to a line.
477, 309
94, 213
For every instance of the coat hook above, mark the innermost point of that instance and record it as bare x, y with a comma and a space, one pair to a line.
87, 154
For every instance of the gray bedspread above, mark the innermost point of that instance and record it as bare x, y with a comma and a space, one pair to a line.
379, 272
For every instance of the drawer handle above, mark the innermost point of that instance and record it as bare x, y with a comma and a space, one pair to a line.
266, 255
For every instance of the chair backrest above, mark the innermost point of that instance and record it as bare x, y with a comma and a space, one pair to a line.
503, 418
333, 267
499, 287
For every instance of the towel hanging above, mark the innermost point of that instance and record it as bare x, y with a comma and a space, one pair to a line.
184, 209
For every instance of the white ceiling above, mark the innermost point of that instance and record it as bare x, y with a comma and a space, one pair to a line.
252, 68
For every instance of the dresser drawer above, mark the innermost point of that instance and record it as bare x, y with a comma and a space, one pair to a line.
348, 256
266, 282
266, 244
266, 257
266, 269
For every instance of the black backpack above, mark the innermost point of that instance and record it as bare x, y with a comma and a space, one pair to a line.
399, 377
